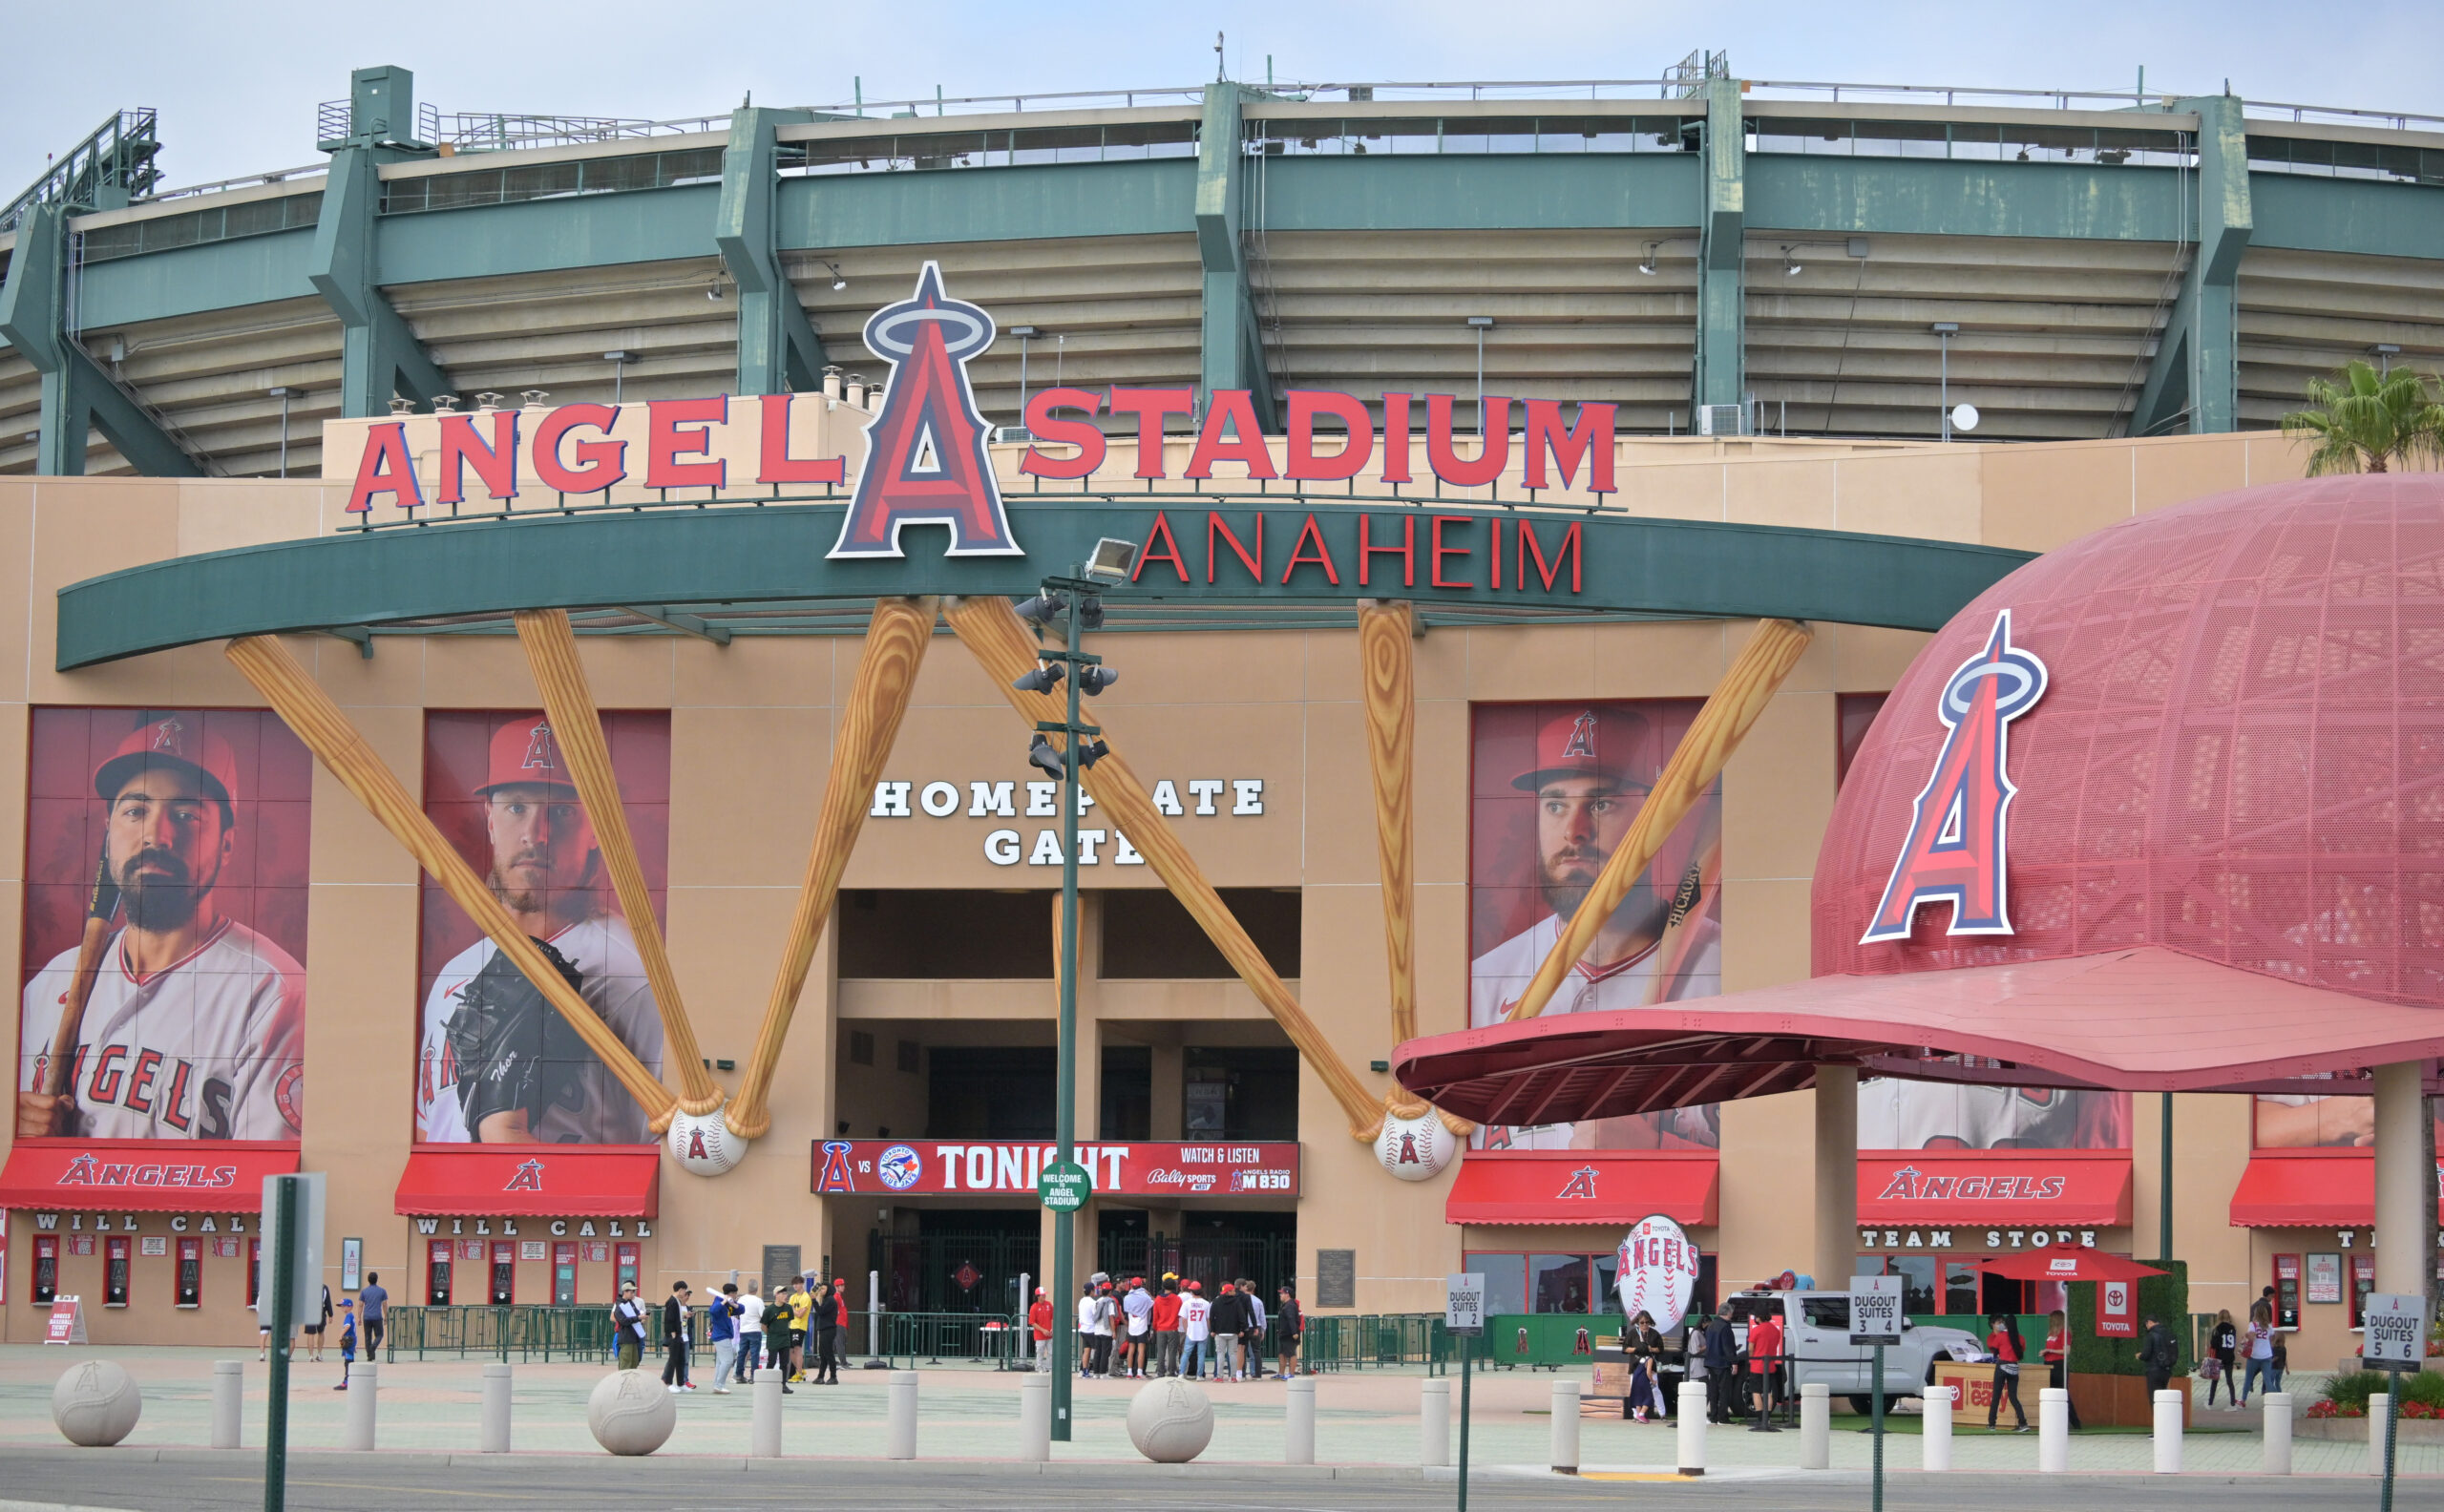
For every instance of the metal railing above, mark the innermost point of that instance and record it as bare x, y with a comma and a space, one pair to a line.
952, 1338
117, 155
1376, 1341
521, 1332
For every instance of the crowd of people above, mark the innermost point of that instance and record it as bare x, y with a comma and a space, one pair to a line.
801, 1329
1132, 1329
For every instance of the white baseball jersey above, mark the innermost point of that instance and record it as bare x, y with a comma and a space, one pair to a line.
594, 1109
209, 1047
1498, 978
1897, 1114
1195, 1315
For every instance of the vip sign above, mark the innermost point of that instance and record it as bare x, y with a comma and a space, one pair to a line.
1207, 797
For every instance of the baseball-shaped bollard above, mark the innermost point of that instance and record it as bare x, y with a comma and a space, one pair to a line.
703, 1143
631, 1413
1171, 1421
96, 1404
1414, 1149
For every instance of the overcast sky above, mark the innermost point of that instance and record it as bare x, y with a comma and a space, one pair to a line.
237, 85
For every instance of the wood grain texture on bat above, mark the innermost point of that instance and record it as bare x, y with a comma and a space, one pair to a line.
897, 637
1729, 712
1387, 664
568, 702
999, 639
309, 712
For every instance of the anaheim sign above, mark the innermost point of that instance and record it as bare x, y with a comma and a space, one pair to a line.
926, 459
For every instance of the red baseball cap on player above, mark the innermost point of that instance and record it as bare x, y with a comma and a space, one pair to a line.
179, 742
524, 750
1592, 741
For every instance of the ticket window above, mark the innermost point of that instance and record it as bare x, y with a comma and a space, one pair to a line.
2286, 1290
46, 1268
504, 1274
436, 1274
254, 1274
114, 1272
2363, 1281
564, 1275
190, 1273
629, 1266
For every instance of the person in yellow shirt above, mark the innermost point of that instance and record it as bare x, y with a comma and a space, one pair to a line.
801, 1309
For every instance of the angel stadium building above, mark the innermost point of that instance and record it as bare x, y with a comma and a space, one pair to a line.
605, 533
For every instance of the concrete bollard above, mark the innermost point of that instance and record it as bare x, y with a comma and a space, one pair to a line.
229, 1403
2054, 1430
903, 1416
364, 1395
1815, 1427
1566, 1425
2377, 1403
1934, 1438
2276, 1406
494, 1438
1035, 1418
1434, 1423
763, 1431
1298, 1440
1693, 1428
2168, 1433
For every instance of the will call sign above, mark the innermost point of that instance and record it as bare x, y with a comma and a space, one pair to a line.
937, 1167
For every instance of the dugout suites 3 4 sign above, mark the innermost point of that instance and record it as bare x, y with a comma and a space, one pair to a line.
940, 1167
926, 461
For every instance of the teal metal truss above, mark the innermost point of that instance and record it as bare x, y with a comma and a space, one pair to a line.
1722, 263
78, 397
778, 349
2194, 384
1232, 344
379, 355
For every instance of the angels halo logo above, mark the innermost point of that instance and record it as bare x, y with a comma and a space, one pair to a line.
925, 457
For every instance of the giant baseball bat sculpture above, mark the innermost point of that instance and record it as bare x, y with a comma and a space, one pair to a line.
318, 721
1733, 706
550, 650
1387, 666
895, 641
993, 632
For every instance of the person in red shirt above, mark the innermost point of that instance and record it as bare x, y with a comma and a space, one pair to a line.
1039, 1324
2004, 1344
1165, 1322
1765, 1358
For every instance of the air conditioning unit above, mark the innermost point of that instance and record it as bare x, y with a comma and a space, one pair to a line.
1722, 420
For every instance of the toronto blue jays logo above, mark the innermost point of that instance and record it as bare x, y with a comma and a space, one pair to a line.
900, 1167
1954, 852
925, 457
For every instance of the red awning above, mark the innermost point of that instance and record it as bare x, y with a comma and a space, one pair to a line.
143, 1175
2308, 1189
2064, 1265
2090, 1188
542, 1180
1575, 1187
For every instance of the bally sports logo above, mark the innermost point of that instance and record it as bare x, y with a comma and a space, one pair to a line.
1908, 1183
85, 1170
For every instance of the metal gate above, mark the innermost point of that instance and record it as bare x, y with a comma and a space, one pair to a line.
954, 1273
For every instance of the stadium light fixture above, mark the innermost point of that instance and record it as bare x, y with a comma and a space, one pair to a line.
1110, 560
1042, 679
2385, 353
1043, 608
1791, 265
1094, 680
1647, 268
1481, 324
283, 394
1024, 334
1040, 753
839, 279
620, 361
1945, 331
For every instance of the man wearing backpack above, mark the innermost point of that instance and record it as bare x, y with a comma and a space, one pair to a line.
1228, 1320
2159, 1354
628, 1327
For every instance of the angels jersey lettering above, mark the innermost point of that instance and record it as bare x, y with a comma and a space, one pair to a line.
594, 1108
210, 1047
1896, 1114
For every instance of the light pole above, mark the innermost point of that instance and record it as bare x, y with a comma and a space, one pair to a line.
1481, 324
1077, 599
283, 394
1945, 331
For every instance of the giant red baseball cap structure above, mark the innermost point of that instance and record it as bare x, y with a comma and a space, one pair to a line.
2161, 810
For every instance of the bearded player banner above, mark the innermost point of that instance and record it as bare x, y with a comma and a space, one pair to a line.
496, 785
1553, 789
926, 1167
174, 842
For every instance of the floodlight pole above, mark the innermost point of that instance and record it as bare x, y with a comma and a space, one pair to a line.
283, 1310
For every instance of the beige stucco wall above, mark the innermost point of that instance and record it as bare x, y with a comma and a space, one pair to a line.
752, 726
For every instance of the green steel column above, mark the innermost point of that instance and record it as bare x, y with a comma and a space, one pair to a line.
1232, 344
2195, 375
379, 353
778, 349
78, 396
1721, 261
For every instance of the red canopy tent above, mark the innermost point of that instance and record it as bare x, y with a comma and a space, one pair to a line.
2064, 1265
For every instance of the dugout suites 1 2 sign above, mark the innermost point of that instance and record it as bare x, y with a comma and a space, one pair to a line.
928, 1167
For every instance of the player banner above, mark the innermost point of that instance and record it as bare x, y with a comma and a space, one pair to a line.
1554, 790
495, 1063
1140, 1168
162, 974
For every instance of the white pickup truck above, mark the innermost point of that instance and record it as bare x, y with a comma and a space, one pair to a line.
1816, 1335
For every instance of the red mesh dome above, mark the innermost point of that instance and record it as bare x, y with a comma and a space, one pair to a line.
2238, 753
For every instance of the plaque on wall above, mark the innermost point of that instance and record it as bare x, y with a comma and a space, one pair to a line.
2325, 1278
781, 1263
1335, 1278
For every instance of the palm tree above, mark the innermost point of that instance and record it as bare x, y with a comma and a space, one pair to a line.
2363, 422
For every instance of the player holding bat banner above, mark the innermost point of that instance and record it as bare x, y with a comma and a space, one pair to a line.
183, 1023
498, 1062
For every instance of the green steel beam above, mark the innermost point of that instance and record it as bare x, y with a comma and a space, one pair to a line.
77, 397
1842, 196
551, 236
379, 355
1478, 191
2194, 383
1721, 248
2354, 216
1141, 197
1231, 346
778, 351
196, 279
2165, 399
693, 561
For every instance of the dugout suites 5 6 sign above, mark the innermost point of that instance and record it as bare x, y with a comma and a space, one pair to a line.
940, 1167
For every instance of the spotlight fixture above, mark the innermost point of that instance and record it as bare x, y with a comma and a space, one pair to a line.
1094, 680
1092, 752
1647, 268
1045, 677
1110, 560
713, 290
1791, 265
1043, 608
839, 279
1040, 753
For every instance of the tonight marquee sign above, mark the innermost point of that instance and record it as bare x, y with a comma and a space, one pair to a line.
931, 1167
